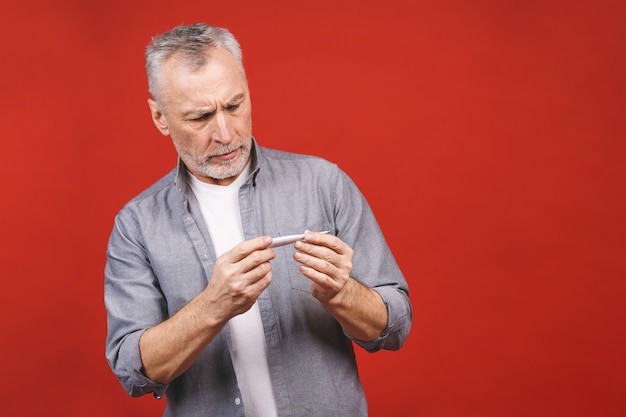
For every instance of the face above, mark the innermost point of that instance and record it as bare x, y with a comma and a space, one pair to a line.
208, 115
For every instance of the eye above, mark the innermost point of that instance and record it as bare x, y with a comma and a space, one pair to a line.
232, 107
203, 117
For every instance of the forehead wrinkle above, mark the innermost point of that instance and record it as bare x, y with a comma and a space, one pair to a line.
186, 92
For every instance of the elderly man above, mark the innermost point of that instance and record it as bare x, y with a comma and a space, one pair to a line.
202, 304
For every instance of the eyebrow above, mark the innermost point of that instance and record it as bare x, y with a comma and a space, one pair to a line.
203, 110
197, 112
236, 99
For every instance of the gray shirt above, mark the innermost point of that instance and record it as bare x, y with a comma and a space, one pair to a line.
160, 257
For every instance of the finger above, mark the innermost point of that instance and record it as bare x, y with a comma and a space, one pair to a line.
239, 284
321, 265
327, 240
317, 251
241, 298
256, 273
320, 278
256, 259
245, 266
245, 248
322, 285
253, 284
340, 260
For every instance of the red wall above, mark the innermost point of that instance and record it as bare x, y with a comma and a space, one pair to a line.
489, 137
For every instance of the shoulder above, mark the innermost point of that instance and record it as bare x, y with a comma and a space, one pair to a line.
155, 198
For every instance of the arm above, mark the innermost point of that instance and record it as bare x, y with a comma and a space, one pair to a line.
239, 277
327, 262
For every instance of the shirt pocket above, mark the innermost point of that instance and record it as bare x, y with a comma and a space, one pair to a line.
287, 266
297, 281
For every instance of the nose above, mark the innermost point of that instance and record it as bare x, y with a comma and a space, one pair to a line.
224, 132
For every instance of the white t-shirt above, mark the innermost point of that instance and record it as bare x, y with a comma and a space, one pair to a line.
220, 209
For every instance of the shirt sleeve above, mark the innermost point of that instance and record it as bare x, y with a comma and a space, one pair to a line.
398, 323
133, 302
373, 263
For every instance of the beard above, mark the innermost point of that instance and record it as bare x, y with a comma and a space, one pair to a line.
210, 167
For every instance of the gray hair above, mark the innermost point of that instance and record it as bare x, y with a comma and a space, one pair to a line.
192, 41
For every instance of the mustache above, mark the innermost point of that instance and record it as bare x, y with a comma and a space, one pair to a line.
226, 149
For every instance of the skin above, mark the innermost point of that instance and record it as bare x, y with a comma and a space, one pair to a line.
207, 114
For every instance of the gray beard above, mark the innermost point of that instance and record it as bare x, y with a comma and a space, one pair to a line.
224, 169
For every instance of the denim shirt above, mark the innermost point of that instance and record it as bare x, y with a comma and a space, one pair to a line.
160, 257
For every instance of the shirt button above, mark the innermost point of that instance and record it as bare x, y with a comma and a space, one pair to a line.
237, 401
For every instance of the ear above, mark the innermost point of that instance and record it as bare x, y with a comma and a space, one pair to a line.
158, 117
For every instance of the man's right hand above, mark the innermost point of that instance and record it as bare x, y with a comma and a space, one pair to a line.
239, 277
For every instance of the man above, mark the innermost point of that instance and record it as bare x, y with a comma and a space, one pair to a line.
200, 307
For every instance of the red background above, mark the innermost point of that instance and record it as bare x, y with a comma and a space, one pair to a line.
489, 137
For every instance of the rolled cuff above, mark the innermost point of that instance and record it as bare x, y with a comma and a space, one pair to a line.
129, 371
399, 319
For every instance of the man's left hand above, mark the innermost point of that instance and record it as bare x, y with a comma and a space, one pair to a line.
327, 261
